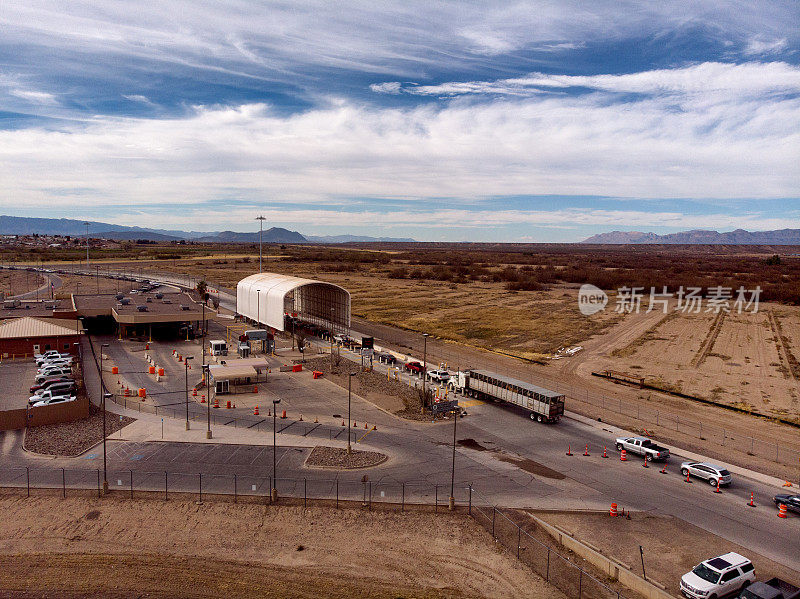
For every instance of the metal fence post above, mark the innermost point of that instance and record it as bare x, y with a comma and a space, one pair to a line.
494, 512
131, 472
547, 577
337, 493
234, 488
370, 496
98, 483
166, 492
200, 485
519, 539
436, 499
63, 484
28, 479
469, 509
305, 494
270, 488
403, 498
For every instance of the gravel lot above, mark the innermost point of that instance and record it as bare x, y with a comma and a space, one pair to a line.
335, 457
73, 438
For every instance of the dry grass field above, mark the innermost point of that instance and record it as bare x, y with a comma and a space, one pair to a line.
14, 282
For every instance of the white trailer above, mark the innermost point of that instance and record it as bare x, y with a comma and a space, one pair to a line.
544, 405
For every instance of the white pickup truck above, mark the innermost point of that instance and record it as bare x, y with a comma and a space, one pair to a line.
643, 446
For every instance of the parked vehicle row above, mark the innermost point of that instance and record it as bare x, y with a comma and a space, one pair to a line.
644, 447
54, 382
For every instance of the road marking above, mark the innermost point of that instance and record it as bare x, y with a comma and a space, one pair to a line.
365, 434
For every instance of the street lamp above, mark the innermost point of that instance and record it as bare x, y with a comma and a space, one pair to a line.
424, 369
103, 394
186, 368
274, 490
452, 504
349, 380
207, 375
261, 220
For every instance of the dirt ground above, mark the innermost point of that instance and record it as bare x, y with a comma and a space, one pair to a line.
671, 546
14, 282
73, 438
111, 547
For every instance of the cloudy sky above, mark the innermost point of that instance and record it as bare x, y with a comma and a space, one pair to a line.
509, 121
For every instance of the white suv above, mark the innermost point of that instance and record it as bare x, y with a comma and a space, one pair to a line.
718, 577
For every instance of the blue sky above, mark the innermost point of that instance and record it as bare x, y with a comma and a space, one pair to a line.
531, 121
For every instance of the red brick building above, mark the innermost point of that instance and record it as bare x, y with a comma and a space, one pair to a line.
20, 337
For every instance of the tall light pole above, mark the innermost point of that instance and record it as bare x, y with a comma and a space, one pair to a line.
424, 369
349, 379
207, 375
103, 394
186, 367
87, 244
274, 490
260, 220
452, 504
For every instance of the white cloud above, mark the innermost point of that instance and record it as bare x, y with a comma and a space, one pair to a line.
705, 146
390, 87
705, 78
34, 96
137, 98
757, 46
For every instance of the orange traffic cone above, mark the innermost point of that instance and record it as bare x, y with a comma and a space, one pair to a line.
255, 412
365, 426
787, 483
782, 511
202, 399
752, 500
623, 456
688, 480
605, 452
717, 489
283, 414
646, 465
216, 402
664, 469
586, 450
301, 418
316, 420
228, 405
374, 427
194, 391
613, 512
255, 389
569, 450
355, 424
342, 422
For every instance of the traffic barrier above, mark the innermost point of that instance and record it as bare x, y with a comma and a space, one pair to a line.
645, 464
255, 388
255, 411
127, 392
114, 370
142, 392
569, 450
717, 489
752, 502
283, 414
180, 358
202, 399
194, 391
664, 469
786, 483
160, 372
147, 346
605, 452
782, 511
151, 370
623, 456
586, 450
216, 402
316, 374
688, 480
228, 405
297, 368
613, 511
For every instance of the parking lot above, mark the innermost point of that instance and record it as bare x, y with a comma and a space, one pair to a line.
17, 379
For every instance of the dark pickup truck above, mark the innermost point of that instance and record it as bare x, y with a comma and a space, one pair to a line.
775, 588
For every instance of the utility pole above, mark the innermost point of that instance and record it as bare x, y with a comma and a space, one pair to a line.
349, 422
452, 504
424, 369
186, 365
103, 394
260, 220
87, 244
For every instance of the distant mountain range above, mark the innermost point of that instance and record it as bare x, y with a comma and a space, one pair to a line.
16, 225
699, 236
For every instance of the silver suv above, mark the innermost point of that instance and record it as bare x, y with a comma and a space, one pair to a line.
718, 577
710, 472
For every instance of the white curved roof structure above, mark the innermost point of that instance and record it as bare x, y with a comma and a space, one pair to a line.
267, 297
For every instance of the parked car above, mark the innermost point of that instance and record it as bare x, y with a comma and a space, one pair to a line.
718, 577
56, 362
774, 588
414, 367
386, 357
45, 395
340, 338
54, 400
55, 369
49, 356
439, 376
792, 502
49, 352
64, 388
642, 446
707, 471
42, 376
47, 382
